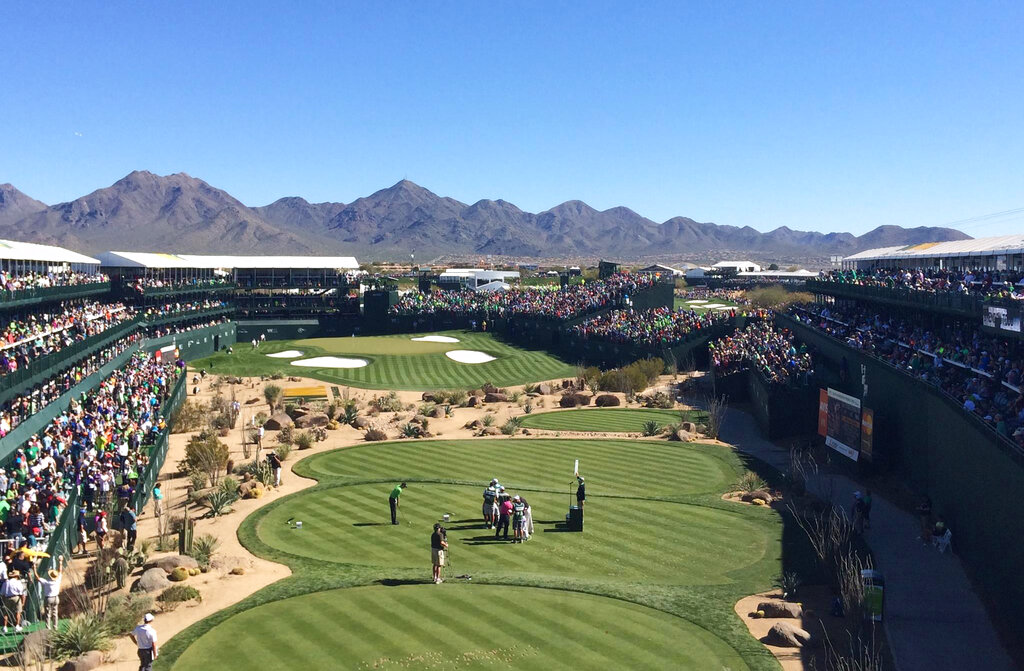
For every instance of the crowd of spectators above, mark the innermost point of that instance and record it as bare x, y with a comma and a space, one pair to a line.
716, 295
771, 351
33, 336
169, 309
660, 327
185, 327
550, 302
20, 407
990, 284
142, 284
12, 280
982, 372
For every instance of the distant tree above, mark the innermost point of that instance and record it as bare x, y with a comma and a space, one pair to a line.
774, 266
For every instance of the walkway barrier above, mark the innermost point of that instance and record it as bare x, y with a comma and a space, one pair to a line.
13, 299
949, 302
158, 452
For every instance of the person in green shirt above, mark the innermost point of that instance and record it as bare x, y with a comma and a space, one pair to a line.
393, 501
158, 500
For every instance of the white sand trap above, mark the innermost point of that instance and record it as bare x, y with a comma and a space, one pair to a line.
287, 354
436, 339
469, 356
725, 308
712, 306
331, 362
695, 302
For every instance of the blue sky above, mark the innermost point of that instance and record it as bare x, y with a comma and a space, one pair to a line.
817, 116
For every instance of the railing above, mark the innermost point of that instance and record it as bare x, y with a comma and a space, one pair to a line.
158, 451
967, 305
159, 292
51, 362
38, 295
185, 316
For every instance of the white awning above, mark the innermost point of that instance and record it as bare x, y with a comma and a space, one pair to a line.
159, 260
29, 251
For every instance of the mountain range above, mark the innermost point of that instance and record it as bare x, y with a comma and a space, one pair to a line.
179, 213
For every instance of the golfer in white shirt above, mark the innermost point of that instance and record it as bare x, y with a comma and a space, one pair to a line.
144, 636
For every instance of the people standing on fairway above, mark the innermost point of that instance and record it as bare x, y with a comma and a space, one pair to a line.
518, 518
505, 514
581, 492
144, 636
438, 544
528, 523
490, 496
393, 501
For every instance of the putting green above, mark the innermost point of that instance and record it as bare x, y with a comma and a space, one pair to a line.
397, 362
457, 626
696, 545
610, 420
611, 467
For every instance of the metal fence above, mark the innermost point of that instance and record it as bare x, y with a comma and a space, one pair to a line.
950, 302
158, 452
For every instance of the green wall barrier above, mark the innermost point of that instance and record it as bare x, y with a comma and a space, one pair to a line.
974, 477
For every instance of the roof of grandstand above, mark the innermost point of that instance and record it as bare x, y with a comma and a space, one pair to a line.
29, 251
158, 260
1000, 244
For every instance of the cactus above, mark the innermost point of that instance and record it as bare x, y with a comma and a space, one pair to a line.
185, 535
121, 571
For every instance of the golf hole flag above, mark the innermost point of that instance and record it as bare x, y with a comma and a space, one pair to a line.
576, 468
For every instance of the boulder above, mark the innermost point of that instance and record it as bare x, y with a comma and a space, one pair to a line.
171, 562
427, 397
251, 489
495, 397
786, 635
312, 419
684, 436
759, 494
544, 388
33, 648
294, 379
419, 419
780, 609
690, 426
84, 662
362, 422
473, 401
295, 413
438, 413
490, 389
278, 421
490, 431
607, 401
475, 424
152, 580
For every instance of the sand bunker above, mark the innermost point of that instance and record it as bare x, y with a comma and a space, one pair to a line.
725, 308
712, 306
695, 302
287, 354
436, 338
331, 362
469, 356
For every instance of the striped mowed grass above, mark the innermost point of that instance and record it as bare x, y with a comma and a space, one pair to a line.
464, 627
398, 362
633, 468
649, 584
609, 420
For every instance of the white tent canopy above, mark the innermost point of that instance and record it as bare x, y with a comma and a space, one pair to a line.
978, 247
11, 250
157, 260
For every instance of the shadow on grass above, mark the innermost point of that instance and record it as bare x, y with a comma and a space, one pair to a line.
393, 582
370, 524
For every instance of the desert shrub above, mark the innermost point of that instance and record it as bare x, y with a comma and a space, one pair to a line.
178, 575
261, 418
229, 484
82, 633
530, 389
260, 471
658, 399
350, 413
289, 409
751, 482
175, 595
220, 502
204, 547
286, 436
191, 416
427, 408
205, 452
457, 396
304, 440
197, 480
606, 401
777, 297
272, 393
375, 434
513, 424
569, 400
528, 408
283, 452
277, 375
388, 403
124, 611
332, 409
515, 396
651, 428
488, 419
410, 430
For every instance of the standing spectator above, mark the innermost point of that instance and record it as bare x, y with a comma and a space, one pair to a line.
129, 524
438, 545
505, 513
158, 500
581, 492
275, 464
101, 529
13, 592
144, 636
518, 518
83, 533
51, 592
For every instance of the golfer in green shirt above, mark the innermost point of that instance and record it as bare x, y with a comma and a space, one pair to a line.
393, 501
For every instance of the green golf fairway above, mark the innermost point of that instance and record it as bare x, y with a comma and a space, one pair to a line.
610, 420
611, 467
397, 362
456, 626
695, 545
